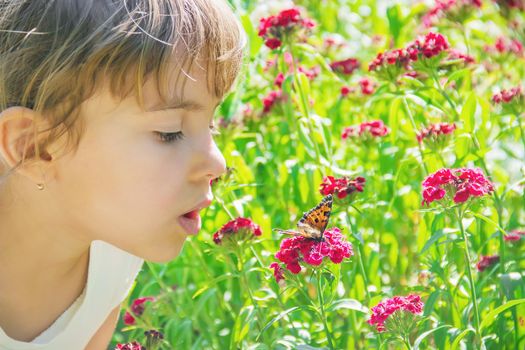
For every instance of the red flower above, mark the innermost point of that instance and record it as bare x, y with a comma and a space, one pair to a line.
486, 261
347, 66
129, 346
461, 183
367, 86
137, 308
279, 80
341, 187
380, 313
298, 248
433, 131
375, 128
240, 227
278, 271
345, 90
274, 28
506, 96
271, 99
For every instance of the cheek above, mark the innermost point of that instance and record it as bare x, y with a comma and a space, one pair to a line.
125, 186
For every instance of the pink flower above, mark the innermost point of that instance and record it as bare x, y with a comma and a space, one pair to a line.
514, 236
137, 309
505, 45
347, 66
278, 271
381, 312
433, 131
486, 261
375, 128
453, 8
301, 249
310, 73
342, 187
242, 228
273, 29
460, 183
129, 346
458, 55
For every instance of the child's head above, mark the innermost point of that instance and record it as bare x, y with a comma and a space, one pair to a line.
85, 88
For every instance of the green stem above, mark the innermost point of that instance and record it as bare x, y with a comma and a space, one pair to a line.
414, 126
321, 307
469, 272
361, 265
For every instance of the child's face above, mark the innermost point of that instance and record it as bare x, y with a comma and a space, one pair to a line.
124, 185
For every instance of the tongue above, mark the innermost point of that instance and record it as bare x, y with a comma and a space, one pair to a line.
191, 214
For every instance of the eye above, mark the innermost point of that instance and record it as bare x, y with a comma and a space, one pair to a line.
169, 137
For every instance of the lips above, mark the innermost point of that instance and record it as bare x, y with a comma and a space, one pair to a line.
191, 221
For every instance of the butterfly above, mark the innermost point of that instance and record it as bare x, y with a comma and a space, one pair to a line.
313, 223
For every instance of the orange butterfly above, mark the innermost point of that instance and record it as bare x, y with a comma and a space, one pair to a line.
313, 223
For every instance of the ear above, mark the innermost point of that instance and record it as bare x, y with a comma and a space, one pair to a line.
18, 133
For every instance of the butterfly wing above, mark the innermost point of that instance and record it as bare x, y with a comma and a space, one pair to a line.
314, 222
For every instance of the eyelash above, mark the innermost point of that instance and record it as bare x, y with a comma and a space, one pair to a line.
171, 137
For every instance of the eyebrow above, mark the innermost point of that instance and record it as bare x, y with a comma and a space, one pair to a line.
188, 105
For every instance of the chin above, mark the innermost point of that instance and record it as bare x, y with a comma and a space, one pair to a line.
165, 252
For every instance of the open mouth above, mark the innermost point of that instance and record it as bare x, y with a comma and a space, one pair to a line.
191, 222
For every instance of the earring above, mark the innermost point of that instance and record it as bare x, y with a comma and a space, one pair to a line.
40, 186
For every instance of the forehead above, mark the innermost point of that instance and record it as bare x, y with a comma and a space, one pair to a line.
178, 83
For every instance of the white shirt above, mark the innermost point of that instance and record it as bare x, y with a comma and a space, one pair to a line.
111, 274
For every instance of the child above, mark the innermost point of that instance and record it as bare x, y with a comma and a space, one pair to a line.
106, 124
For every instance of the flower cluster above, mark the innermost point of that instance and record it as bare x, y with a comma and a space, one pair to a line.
274, 29
514, 236
137, 309
375, 128
507, 96
428, 46
486, 261
298, 248
381, 312
456, 10
242, 228
435, 131
347, 66
129, 346
461, 183
341, 187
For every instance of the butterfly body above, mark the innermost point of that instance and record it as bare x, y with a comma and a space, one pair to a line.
313, 223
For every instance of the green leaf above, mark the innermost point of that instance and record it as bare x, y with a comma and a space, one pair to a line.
350, 304
426, 334
489, 318
468, 113
461, 335
282, 314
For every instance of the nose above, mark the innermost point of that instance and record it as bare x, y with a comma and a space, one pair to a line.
209, 163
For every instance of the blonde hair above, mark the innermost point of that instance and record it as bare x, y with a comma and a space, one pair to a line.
54, 53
